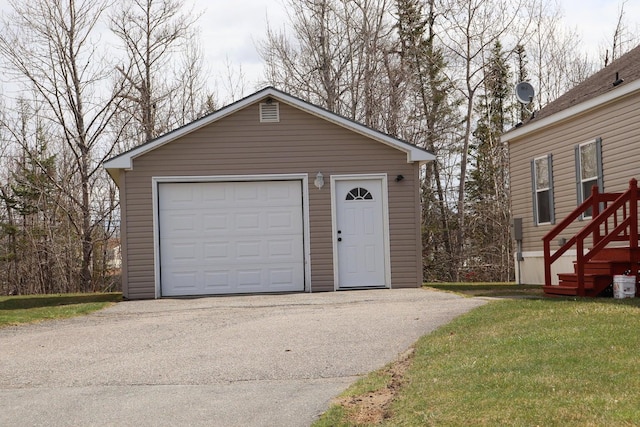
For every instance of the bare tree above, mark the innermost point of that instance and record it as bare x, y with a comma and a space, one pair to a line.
622, 40
341, 55
420, 75
556, 60
435, 114
233, 81
472, 28
49, 46
152, 32
192, 98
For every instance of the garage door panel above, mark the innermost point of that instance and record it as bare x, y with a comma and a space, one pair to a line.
248, 251
249, 278
231, 237
280, 249
281, 276
269, 221
247, 192
247, 222
214, 194
216, 251
184, 252
178, 197
281, 221
184, 280
181, 224
215, 222
216, 281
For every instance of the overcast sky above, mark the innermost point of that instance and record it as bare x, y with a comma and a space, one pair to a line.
231, 29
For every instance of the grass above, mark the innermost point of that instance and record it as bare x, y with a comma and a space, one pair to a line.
523, 362
15, 310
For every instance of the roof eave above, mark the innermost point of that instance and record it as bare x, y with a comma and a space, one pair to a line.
572, 111
125, 160
414, 153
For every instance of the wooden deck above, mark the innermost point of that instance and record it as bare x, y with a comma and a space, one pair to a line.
598, 274
612, 234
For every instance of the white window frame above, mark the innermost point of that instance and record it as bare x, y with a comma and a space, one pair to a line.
549, 189
581, 180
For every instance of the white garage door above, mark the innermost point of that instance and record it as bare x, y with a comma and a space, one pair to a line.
230, 237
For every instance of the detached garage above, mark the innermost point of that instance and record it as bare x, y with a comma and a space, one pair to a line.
270, 194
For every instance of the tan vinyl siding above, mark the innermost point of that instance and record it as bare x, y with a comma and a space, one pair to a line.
617, 124
124, 253
300, 143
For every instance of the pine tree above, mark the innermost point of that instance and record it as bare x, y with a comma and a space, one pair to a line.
29, 201
488, 186
435, 110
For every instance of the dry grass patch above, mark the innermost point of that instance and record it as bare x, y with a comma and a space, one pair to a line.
15, 310
373, 407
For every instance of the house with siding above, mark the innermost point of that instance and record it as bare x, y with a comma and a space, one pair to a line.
269, 194
586, 142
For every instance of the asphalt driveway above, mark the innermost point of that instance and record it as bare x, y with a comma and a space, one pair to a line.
230, 361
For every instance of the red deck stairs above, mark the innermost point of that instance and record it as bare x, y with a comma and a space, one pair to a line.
612, 237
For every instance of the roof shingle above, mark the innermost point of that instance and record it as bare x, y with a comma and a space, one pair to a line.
627, 68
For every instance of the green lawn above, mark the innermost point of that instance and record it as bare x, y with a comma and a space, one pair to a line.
15, 310
520, 362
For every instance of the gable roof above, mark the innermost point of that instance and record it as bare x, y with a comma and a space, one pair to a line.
595, 91
125, 160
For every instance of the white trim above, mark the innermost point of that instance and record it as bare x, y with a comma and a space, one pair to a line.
382, 177
303, 177
573, 111
125, 160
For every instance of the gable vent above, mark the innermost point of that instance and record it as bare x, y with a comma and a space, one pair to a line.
269, 112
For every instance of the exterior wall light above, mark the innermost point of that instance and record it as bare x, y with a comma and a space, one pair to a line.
319, 182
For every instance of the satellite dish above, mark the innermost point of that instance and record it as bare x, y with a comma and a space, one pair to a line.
525, 92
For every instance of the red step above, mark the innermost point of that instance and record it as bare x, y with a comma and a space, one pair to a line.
560, 290
593, 284
604, 267
620, 254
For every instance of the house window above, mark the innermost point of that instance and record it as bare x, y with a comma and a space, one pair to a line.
588, 171
542, 184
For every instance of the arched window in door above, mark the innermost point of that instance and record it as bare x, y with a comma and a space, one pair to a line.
359, 193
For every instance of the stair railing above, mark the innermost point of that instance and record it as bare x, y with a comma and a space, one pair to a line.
616, 222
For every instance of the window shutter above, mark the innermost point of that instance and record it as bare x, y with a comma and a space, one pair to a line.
578, 177
552, 207
599, 164
533, 193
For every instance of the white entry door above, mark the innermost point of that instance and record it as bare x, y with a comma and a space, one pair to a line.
360, 233
230, 237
